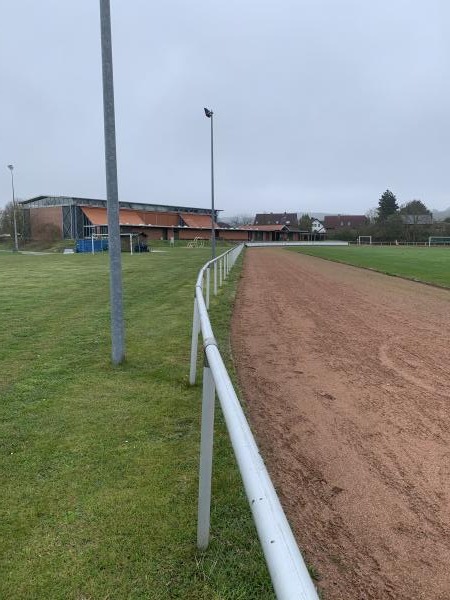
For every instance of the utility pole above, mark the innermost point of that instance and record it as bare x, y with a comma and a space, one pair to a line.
16, 240
114, 246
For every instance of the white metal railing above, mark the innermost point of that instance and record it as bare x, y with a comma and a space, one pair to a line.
305, 243
290, 577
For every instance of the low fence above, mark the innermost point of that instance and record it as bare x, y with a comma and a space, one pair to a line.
305, 243
398, 243
290, 577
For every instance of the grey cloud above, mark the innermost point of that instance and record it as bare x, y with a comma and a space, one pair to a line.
319, 105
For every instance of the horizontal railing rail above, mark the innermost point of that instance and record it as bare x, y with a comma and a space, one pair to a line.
289, 574
287, 243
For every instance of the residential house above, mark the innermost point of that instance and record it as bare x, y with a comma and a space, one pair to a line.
344, 221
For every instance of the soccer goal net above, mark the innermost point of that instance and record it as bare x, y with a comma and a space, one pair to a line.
364, 240
436, 240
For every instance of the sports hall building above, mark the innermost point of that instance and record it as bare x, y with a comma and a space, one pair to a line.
73, 218
64, 217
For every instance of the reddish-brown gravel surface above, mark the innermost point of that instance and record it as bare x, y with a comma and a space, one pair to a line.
346, 375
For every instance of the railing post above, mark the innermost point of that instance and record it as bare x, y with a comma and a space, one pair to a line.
220, 271
208, 277
206, 456
215, 278
194, 343
287, 569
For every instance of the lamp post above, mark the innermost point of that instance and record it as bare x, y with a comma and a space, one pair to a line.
16, 243
210, 115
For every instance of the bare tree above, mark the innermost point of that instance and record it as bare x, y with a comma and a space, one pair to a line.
238, 220
372, 215
7, 220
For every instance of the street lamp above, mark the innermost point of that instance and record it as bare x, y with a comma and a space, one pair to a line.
209, 113
16, 244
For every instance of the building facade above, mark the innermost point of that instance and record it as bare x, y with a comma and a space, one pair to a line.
72, 218
334, 222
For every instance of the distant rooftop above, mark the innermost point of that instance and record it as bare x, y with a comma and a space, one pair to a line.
289, 219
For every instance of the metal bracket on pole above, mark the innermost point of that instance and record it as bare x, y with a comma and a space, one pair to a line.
194, 343
209, 341
206, 456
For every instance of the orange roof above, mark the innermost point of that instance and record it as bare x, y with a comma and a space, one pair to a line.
197, 221
164, 219
130, 217
98, 216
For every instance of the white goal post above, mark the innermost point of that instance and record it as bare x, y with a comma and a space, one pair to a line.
439, 240
364, 239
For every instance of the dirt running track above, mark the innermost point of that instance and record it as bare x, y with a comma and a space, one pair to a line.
346, 376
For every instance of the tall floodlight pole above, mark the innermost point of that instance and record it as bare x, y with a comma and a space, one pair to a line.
210, 115
16, 241
112, 196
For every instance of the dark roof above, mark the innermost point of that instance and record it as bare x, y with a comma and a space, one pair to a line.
45, 201
289, 219
334, 221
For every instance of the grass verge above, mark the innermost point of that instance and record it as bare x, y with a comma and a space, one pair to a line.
99, 464
429, 265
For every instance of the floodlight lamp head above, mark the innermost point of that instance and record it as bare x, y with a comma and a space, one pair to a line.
208, 113
10, 167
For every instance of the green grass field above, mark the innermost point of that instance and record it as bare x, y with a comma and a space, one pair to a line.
99, 464
431, 265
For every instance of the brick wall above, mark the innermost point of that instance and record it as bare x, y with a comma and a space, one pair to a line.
152, 233
229, 234
46, 223
190, 234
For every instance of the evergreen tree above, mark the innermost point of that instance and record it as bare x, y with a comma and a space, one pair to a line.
387, 206
415, 207
305, 223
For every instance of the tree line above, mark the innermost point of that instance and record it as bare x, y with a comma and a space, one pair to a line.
410, 222
7, 220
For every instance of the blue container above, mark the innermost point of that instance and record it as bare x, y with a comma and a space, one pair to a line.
86, 245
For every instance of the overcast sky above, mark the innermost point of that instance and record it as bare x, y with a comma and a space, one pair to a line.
320, 105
